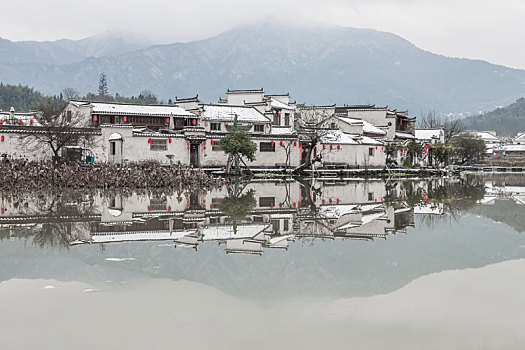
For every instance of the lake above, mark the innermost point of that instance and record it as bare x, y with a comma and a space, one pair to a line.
298, 264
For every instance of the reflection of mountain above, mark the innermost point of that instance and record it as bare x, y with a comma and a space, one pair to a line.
318, 259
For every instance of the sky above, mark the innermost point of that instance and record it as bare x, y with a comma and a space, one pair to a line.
480, 29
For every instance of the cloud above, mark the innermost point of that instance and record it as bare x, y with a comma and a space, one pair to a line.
487, 30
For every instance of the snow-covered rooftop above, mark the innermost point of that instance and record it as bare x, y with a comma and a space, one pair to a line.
136, 109
511, 148
428, 134
279, 105
404, 135
367, 127
227, 113
485, 136
338, 137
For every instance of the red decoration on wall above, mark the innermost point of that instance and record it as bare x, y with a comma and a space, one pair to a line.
376, 147
324, 146
188, 142
281, 143
211, 206
300, 145
194, 121
381, 148
294, 204
204, 147
95, 118
295, 143
149, 140
267, 125
20, 122
338, 146
337, 201
272, 143
1, 121
211, 142
149, 208
331, 147
124, 119
3, 138
225, 123
169, 140
401, 150
31, 121
169, 208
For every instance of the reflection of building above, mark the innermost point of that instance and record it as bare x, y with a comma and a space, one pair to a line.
282, 211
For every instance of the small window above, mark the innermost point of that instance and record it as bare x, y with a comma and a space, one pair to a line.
258, 128
277, 119
266, 147
287, 119
215, 126
112, 148
332, 125
285, 225
266, 202
158, 145
370, 196
68, 116
371, 151
276, 227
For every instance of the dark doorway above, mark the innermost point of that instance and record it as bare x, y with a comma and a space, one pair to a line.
194, 155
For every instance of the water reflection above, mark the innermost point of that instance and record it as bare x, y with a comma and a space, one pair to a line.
244, 217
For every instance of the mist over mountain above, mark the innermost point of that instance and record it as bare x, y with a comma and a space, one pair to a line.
317, 65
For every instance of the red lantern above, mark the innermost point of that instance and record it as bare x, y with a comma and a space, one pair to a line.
194, 121
376, 147
204, 147
381, 148
20, 122
149, 208
300, 145
169, 140
324, 146
294, 204
206, 123
401, 150
295, 143
3, 138
188, 146
323, 202
281, 143
1, 121
124, 119
31, 121
3, 211
211, 206
330, 201
272, 143
169, 207
337, 201
94, 118
271, 205
188, 142
338, 146
225, 123
211, 142
331, 147
149, 140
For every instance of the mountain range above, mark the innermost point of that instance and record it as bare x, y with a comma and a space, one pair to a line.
317, 65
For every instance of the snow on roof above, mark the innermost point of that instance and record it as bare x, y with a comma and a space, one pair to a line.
487, 136
367, 127
281, 131
135, 109
336, 211
138, 236
279, 105
227, 113
115, 136
520, 137
227, 232
339, 137
428, 134
27, 118
404, 135
511, 148
365, 140
428, 209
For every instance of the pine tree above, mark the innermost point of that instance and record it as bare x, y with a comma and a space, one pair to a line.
102, 86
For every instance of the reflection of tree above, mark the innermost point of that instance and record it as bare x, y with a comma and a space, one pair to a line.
237, 207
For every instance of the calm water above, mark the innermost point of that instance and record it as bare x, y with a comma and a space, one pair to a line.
305, 264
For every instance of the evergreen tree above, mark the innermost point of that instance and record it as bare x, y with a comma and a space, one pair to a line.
103, 86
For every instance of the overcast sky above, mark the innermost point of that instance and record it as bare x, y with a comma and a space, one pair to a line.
486, 29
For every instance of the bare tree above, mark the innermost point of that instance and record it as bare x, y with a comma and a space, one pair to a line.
430, 120
451, 127
56, 127
70, 94
312, 127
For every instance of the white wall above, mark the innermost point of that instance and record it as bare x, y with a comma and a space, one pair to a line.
354, 155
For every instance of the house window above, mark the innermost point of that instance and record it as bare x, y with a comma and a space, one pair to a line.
370, 196
285, 225
287, 119
266, 202
276, 119
68, 116
215, 126
112, 148
332, 125
276, 227
158, 145
266, 147
371, 151
258, 128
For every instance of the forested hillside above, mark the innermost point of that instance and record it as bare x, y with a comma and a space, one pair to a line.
506, 121
23, 98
